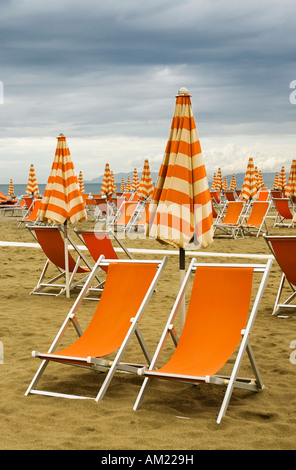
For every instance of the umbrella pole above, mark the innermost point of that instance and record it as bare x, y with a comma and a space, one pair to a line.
66, 259
182, 276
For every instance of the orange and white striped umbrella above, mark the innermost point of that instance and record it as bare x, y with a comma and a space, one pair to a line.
107, 182
122, 185
128, 184
219, 180
113, 184
225, 185
260, 181
213, 187
233, 182
146, 185
276, 181
282, 181
32, 186
11, 189
180, 208
291, 185
135, 181
249, 188
81, 182
62, 199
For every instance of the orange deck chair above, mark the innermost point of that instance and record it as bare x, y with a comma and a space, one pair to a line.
284, 213
31, 217
217, 328
98, 243
256, 220
124, 215
229, 224
128, 289
53, 244
284, 250
230, 195
140, 217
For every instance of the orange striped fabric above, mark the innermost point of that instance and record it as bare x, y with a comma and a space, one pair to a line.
62, 199
107, 183
122, 185
146, 185
135, 181
282, 181
249, 188
225, 185
260, 181
213, 187
128, 184
113, 184
32, 186
11, 188
233, 182
219, 180
180, 206
81, 182
276, 182
291, 185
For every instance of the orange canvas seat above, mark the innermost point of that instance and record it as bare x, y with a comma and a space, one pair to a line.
217, 328
98, 243
31, 216
263, 195
284, 250
55, 247
228, 225
129, 286
124, 215
140, 217
256, 219
230, 195
284, 213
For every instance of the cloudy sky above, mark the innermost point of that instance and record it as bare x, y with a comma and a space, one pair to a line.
106, 74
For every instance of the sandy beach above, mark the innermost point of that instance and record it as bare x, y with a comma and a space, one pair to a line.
173, 415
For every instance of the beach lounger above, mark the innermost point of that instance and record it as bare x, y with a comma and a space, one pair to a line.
284, 213
115, 322
31, 215
54, 246
256, 219
216, 331
229, 224
98, 243
230, 195
263, 195
124, 215
284, 250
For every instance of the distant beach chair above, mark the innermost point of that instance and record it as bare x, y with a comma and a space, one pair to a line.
263, 195
124, 215
284, 213
215, 327
31, 215
128, 289
256, 220
230, 195
98, 243
229, 224
51, 240
284, 250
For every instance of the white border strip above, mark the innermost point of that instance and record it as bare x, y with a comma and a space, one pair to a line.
156, 252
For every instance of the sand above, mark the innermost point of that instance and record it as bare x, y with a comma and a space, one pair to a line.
173, 416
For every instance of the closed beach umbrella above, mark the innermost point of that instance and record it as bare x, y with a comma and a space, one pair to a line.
260, 182
282, 181
81, 182
135, 181
113, 184
62, 200
122, 185
291, 185
225, 185
11, 189
249, 188
232, 182
219, 180
180, 210
276, 181
32, 186
213, 187
145, 189
107, 182
128, 184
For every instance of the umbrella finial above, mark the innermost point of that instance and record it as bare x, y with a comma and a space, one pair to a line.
183, 91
